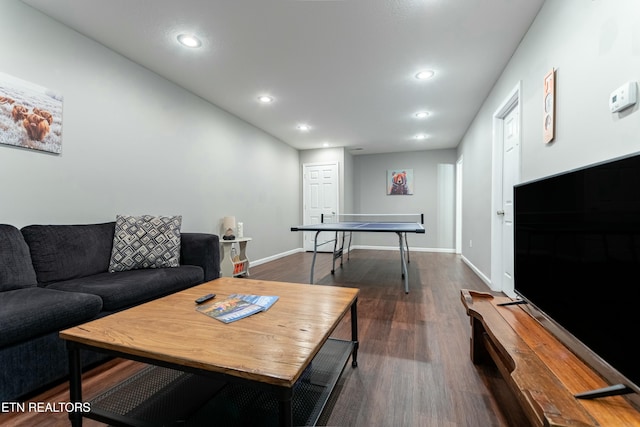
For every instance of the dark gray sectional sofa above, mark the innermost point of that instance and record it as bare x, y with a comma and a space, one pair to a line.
56, 276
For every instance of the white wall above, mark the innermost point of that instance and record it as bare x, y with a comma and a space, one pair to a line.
134, 143
344, 160
363, 190
595, 47
433, 183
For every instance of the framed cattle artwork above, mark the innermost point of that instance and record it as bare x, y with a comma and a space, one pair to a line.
399, 182
30, 115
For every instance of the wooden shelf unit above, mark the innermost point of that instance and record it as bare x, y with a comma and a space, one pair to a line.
234, 263
542, 372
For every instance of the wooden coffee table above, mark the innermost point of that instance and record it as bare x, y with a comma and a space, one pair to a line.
278, 354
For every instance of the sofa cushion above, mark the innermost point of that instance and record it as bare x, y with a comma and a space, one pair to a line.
127, 288
145, 242
62, 252
201, 249
16, 269
31, 312
37, 364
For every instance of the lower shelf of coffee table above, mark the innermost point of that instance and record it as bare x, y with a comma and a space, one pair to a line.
158, 396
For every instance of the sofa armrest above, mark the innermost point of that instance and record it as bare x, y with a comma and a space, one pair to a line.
203, 250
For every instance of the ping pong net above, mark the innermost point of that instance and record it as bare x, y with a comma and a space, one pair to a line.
372, 218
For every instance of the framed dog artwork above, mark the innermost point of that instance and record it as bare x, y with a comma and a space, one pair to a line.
30, 115
399, 182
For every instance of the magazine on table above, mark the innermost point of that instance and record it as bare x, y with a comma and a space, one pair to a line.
237, 306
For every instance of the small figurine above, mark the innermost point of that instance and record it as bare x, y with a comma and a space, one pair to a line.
228, 227
228, 235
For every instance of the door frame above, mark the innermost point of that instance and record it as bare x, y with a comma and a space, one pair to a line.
459, 169
512, 100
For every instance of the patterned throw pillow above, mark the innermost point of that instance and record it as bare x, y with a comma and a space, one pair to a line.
145, 242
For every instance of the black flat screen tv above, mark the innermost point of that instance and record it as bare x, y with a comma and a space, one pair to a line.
577, 262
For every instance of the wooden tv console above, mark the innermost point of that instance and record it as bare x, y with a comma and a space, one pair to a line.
543, 373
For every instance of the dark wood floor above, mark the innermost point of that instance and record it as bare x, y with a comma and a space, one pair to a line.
414, 367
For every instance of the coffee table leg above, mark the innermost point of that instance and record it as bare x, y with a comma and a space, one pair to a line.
354, 333
286, 411
75, 382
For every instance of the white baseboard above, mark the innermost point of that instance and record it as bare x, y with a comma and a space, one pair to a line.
396, 248
275, 257
479, 273
375, 248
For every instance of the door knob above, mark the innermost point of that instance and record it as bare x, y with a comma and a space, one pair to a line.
500, 212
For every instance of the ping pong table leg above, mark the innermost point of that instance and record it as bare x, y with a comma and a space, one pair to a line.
405, 274
406, 243
337, 252
313, 261
334, 256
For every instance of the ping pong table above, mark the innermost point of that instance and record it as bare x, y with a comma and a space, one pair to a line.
364, 223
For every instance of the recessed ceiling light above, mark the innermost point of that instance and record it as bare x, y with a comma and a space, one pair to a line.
189, 40
420, 136
303, 127
325, 144
265, 99
421, 114
425, 74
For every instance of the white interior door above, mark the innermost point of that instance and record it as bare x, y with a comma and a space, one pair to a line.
320, 194
505, 173
510, 177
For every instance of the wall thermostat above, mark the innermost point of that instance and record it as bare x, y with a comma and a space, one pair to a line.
623, 97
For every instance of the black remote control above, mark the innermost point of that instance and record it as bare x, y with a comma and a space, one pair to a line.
205, 298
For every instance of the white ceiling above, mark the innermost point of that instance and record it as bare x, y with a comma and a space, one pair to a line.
345, 67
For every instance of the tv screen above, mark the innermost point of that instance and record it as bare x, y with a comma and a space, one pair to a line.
577, 257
